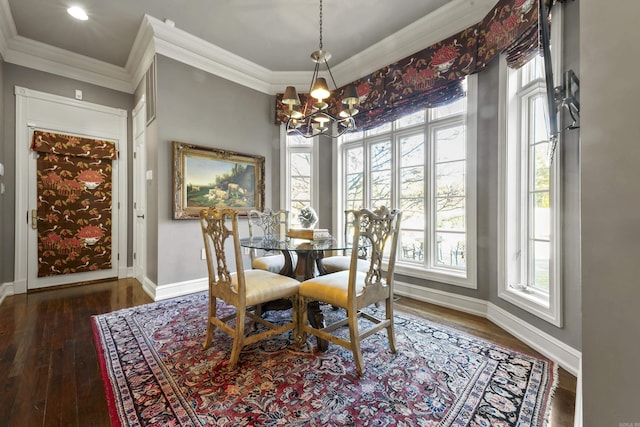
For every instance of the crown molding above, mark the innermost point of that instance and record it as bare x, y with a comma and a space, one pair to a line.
141, 53
40, 56
156, 37
185, 47
7, 27
433, 28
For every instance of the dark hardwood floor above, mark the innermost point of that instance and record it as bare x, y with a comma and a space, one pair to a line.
49, 368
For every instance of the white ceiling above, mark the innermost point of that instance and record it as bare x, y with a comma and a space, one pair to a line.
274, 35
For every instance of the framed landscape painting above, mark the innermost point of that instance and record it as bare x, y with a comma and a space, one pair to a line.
204, 177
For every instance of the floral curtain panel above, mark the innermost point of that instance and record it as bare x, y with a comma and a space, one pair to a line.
433, 76
74, 184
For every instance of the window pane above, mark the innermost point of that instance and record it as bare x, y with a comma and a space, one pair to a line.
412, 213
380, 129
541, 170
377, 203
540, 121
412, 182
300, 188
354, 188
456, 107
450, 178
354, 204
541, 216
381, 156
295, 139
411, 245
450, 144
381, 185
354, 160
300, 164
410, 120
352, 136
532, 70
450, 249
450, 214
412, 150
541, 265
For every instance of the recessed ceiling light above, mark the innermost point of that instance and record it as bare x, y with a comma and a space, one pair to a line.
78, 13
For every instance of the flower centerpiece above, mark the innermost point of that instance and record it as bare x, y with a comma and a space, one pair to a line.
307, 217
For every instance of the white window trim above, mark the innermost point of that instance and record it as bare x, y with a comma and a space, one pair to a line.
468, 278
527, 299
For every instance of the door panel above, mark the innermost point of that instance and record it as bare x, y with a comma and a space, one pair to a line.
74, 216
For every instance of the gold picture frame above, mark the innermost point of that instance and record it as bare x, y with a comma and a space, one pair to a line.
205, 177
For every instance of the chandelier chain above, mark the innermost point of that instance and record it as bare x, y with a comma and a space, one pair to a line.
320, 24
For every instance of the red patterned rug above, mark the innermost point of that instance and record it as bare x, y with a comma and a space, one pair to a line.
156, 374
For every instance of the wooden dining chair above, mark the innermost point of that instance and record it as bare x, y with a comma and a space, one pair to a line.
242, 289
355, 290
335, 263
267, 224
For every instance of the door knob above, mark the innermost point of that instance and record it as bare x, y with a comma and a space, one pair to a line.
141, 216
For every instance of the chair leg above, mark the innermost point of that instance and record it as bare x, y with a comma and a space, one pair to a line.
295, 317
258, 312
302, 320
238, 339
390, 329
354, 336
210, 326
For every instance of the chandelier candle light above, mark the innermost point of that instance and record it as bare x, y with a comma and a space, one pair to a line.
315, 118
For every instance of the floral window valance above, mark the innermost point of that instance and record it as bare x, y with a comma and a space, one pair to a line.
433, 76
68, 145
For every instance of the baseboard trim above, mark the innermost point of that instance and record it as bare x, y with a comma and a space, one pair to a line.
149, 287
564, 355
446, 299
173, 290
6, 290
561, 353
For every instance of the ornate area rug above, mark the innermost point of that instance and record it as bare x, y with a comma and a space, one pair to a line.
157, 374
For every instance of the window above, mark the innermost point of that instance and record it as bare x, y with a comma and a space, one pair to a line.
424, 164
529, 268
299, 190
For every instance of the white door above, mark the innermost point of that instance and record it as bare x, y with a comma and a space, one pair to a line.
139, 192
51, 113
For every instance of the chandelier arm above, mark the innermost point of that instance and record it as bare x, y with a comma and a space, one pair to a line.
335, 86
316, 71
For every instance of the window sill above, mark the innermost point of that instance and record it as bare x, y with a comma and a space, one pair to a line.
534, 302
437, 275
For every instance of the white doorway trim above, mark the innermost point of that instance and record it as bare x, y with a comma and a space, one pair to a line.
139, 120
26, 118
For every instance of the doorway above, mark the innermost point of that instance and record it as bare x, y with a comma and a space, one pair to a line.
41, 111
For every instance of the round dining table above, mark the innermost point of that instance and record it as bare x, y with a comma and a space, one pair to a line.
306, 264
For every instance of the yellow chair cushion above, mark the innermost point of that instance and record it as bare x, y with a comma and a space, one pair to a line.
263, 286
342, 262
272, 263
331, 288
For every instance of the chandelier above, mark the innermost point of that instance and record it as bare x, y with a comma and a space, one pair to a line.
314, 117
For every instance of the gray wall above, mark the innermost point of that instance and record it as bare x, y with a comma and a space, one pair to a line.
610, 156
202, 109
15, 75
